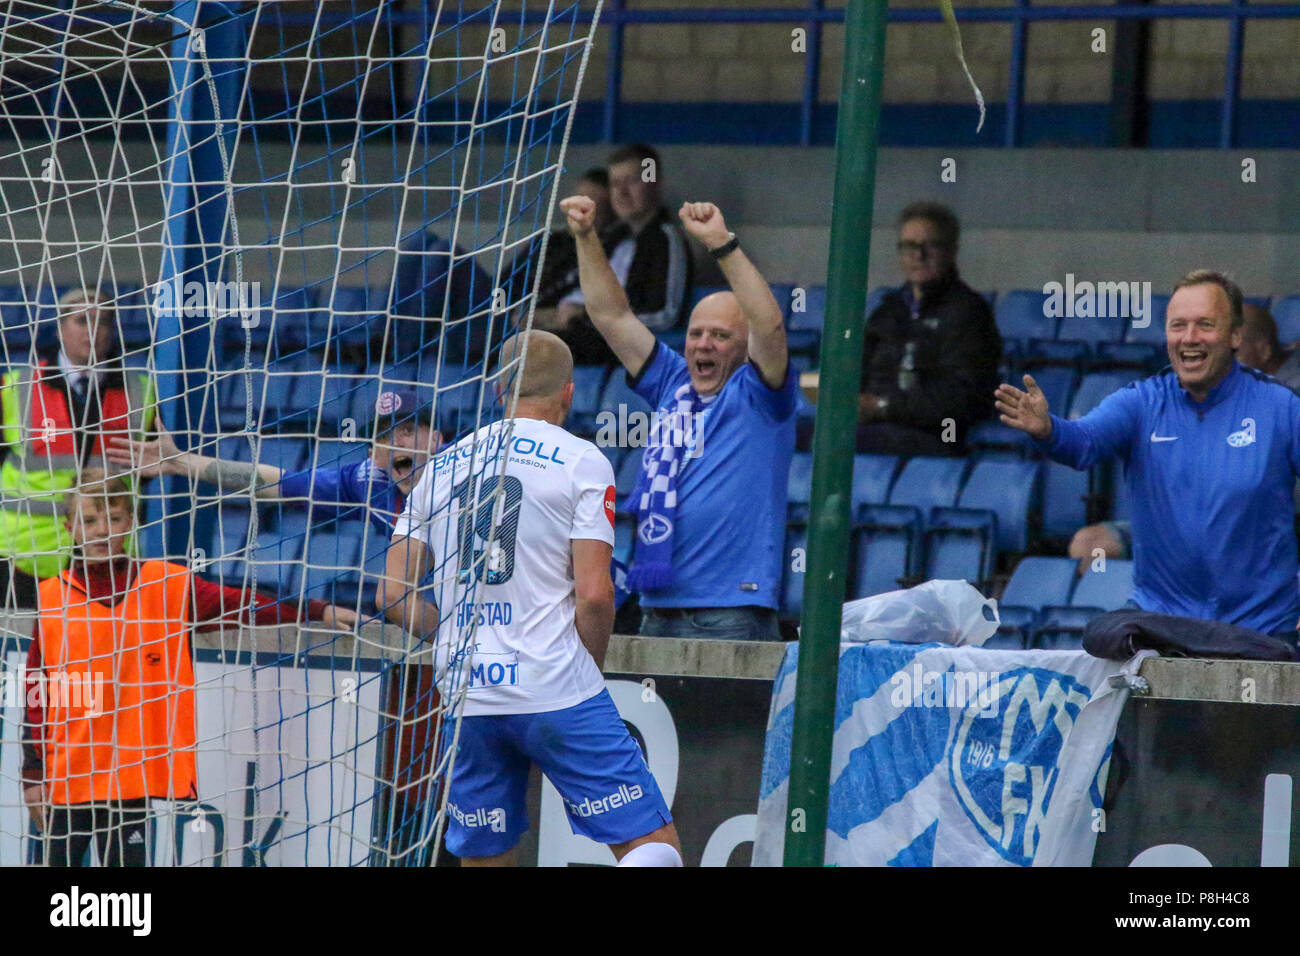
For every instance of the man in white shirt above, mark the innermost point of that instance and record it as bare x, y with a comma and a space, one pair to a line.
514, 527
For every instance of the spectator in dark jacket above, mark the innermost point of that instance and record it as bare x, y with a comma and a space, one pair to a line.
560, 271
647, 251
931, 348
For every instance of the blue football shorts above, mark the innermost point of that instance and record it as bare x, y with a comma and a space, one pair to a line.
586, 751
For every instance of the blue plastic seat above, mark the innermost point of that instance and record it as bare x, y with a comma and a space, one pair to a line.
1144, 346
1065, 507
927, 483
335, 453
617, 393
626, 478
1020, 319
624, 538
1095, 387
1010, 489
1153, 333
1039, 582
883, 559
1015, 627
1286, 312
588, 382
1008, 637
959, 546
1109, 589
804, 326
873, 476
1061, 628
796, 536
799, 488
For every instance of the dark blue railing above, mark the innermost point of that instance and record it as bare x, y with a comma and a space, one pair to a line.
813, 15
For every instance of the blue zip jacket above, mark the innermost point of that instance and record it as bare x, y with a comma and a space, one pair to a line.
1210, 490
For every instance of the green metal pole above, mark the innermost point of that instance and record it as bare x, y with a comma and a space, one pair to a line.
841, 367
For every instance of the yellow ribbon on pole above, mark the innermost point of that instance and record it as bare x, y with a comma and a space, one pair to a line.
951, 20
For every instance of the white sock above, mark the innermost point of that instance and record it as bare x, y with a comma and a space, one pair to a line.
651, 854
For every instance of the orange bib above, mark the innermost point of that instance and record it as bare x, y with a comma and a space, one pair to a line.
119, 689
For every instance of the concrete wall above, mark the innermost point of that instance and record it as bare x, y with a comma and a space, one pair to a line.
1029, 216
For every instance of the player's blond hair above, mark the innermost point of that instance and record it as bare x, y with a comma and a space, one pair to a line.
544, 371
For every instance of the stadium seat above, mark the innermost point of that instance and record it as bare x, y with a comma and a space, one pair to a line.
1286, 312
1153, 333
1011, 639
799, 489
626, 478
873, 476
1109, 589
618, 394
804, 326
614, 454
624, 538
883, 558
1016, 627
233, 390
1095, 387
796, 536
1065, 504
354, 315
335, 453
927, 483
1061, 628
1010, 489
959, 545
588, 381
1020, 319
1039, 582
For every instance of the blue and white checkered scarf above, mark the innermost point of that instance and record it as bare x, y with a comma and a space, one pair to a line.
656, 491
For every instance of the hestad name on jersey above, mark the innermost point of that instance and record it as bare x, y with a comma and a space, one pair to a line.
488, 613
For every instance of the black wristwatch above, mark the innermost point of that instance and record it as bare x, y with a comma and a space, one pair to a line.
727, 248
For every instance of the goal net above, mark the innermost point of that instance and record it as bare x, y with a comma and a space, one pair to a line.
264, 243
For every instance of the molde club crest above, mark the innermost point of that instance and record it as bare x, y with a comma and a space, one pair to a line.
1003, 757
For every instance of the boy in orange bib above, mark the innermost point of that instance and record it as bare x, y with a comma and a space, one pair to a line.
110, 681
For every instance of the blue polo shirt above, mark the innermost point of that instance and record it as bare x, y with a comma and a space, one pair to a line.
1210, 488
729, 534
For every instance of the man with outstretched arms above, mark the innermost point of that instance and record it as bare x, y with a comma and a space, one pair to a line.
514, 528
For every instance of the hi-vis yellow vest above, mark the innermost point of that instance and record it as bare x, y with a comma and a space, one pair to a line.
43, 459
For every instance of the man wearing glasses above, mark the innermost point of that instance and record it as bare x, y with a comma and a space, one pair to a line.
931, 347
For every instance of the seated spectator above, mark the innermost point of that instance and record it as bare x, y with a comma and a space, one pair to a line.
58, 414
1261, 349
931, 350
1114, 539
645, 248
420, 294
122, 626
560, 271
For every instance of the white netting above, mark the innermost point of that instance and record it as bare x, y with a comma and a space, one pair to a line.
302, 224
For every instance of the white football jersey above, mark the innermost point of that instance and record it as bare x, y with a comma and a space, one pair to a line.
518, 592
